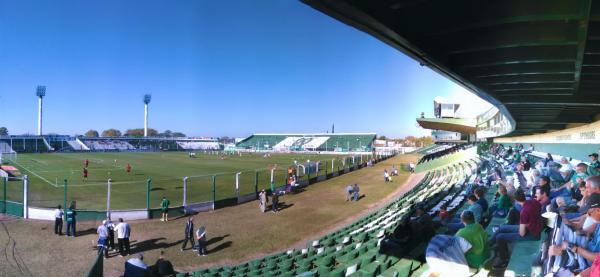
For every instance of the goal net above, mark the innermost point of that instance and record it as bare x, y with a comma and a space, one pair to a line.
8, 157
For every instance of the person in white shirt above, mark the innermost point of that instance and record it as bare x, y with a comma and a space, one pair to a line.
565, 168
123, 233
103, 238
58, 220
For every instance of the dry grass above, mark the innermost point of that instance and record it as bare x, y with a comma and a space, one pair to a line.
235, 234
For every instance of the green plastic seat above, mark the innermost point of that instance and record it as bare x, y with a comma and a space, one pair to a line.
338, 272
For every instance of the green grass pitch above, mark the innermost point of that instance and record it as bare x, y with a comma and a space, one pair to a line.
47, 173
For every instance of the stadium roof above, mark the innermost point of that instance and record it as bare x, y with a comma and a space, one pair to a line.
460, 125
537, 61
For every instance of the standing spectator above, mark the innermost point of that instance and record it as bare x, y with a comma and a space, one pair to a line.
163, 266
123, 233
189, 233
201, 238
262, 200
102, 232
135, 267
594, 167
111, 234
71, 220
275, 200
164, 208
355, 190
349, 191
58, 220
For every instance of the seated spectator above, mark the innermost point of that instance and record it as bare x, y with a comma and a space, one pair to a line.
444, 215
480, 194
135, 267
534, 180
577, 220
566, 169
581, 249
566, 189
500, 209
163, 267
526, 163
475, 208
529, 228
474, 233
541, 195
421, 225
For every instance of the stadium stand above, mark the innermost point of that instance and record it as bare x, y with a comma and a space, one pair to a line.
108, 145
358, 249
442, 151
199, 145
26, 144
312, 142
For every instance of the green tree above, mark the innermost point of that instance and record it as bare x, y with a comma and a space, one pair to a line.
3, 131
139, 132
178, 135
92, 134
111, 133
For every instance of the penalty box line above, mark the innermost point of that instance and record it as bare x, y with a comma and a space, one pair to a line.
37, 175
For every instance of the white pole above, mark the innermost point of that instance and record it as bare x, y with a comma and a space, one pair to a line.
272, 174
184, 194
109, 184
25, 197
145, 120
237, 183
39, 116
332, 162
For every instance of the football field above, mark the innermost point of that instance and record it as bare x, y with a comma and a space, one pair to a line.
47, 174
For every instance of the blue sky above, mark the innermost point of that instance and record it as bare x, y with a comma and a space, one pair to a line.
214, 68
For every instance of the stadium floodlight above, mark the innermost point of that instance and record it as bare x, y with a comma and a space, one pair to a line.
40, 92
147, 98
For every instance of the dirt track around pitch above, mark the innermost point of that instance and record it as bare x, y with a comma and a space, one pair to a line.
235, 234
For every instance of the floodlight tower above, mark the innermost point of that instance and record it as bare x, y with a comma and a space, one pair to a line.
40, 92
147, 99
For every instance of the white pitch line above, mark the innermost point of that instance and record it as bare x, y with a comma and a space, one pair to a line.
37, 175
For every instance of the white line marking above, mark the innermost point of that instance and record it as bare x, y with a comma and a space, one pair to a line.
37, 175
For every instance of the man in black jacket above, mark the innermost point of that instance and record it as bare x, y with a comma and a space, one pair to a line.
189, 233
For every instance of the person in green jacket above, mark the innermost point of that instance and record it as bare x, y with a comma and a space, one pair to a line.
475, 234
504, 204
164, 207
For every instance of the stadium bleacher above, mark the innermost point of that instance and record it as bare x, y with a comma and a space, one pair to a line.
26, 144
108, 145
314, 142
199, 145
355, 249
